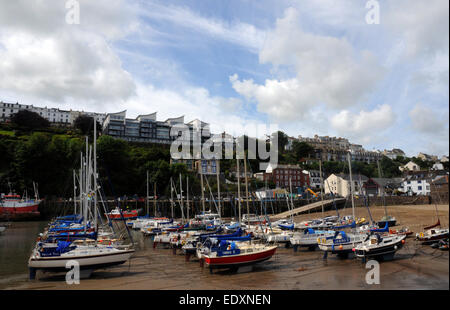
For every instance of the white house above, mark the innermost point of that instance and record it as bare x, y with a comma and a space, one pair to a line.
410, 166
314, 179
415, 186
437, 166
339, 184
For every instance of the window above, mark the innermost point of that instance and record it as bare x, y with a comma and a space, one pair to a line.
419, 188
420, 181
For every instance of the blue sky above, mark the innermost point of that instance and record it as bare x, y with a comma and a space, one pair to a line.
305, 66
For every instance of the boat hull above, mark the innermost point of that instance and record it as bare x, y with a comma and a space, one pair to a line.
383, 252
85, 262
383, 223
432, 239
240, 260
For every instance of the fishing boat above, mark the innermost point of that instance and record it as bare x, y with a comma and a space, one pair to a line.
118, 214
382, 247
15, 207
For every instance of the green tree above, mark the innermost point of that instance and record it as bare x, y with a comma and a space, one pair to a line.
302, 150
85, 124
29, 120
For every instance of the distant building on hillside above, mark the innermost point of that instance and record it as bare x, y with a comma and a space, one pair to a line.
437, 166
147, 129
55, 116
426, 157
381, 186
444, 159
393, 154
410, 166
285, 175
339, 184
336, 149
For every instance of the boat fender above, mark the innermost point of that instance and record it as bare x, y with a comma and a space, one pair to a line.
403, 241
353, 249
395, 247
341, 247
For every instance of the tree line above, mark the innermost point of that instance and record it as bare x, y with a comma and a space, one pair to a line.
32, 150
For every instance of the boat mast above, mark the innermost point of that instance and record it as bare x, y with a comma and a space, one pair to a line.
80, 176
85, 186
201, 184
181, 196
321, 184
74, 193
290, 194
171, 196
187, 197
246, 190
154, 198
382, 191
239, 189
218, 185
95, 174
351, 185
146, 199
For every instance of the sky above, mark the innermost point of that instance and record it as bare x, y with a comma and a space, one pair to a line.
304, 67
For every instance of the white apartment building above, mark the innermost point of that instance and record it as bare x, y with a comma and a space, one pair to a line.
53, 115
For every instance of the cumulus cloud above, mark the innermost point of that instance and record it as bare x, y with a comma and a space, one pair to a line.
328, 71
366, 124
43, 56
425, 120
423, 26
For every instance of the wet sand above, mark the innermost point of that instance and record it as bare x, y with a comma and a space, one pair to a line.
414, 266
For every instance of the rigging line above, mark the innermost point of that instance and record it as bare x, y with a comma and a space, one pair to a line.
178, 199
212, 198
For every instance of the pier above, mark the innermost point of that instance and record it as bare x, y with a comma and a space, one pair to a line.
308, 207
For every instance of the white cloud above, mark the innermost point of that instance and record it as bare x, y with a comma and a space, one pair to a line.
239, 33
367, 126
329, 71
43, 56
427, 121
422, 25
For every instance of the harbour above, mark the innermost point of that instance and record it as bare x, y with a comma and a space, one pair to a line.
415, 266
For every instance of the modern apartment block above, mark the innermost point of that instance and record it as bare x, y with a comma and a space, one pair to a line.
147, 129
54, 115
